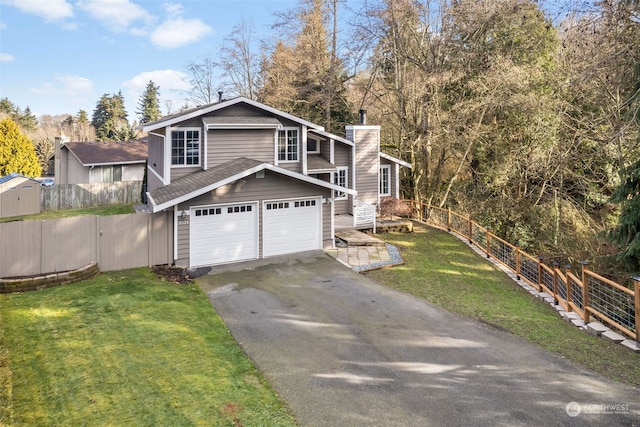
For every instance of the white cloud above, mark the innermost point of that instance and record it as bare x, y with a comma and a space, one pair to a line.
67, 85
117, 15
50, 10
173, 85
6, 57
3, 26
178, 32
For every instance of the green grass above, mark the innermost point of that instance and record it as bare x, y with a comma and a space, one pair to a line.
127, 348
63, 213
444, 271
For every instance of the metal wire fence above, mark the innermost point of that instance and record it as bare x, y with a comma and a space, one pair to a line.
591, 296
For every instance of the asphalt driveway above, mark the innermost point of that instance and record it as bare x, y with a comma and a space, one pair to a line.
343, 350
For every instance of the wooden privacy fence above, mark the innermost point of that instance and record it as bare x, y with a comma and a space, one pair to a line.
587, 293
69, 196
116, 242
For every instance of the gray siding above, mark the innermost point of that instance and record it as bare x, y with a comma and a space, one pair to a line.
133, 172
156, 160
251, 189
367, 141
78, 174
177, 172
228, 144
342, 157
239, 110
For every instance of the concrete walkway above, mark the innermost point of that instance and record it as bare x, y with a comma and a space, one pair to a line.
363, 251
343, 350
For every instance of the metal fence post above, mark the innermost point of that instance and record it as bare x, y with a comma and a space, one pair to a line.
585, 292
636, 282
540, 261
555, 282
488, 244
567, 270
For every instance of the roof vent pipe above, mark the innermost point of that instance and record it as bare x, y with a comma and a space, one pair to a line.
219, 96
363, 117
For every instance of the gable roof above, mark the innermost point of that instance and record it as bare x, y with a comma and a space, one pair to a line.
195, 184
108, 153
204, 109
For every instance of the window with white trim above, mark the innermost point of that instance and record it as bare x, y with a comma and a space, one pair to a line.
313, 146
385, 180
185, 147
341, 178
288, 145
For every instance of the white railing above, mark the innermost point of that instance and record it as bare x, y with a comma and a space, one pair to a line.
364, 213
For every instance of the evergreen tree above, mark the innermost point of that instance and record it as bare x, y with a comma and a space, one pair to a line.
110, 119
17, 153
627, 232
27, 120
149, 104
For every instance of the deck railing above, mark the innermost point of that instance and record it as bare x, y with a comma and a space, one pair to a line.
588, 294
364, 213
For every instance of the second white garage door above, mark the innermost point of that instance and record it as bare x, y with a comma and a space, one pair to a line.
223, 233
291, 226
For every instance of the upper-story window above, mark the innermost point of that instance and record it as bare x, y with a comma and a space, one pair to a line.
385, 180
288, 145
185, 147
313, 145
341, 178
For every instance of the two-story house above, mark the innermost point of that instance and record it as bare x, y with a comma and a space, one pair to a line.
247, 181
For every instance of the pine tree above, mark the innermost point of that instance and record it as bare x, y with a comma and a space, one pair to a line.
149, 104
110, 119
17, 153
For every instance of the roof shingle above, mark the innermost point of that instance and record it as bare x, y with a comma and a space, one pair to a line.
96, 153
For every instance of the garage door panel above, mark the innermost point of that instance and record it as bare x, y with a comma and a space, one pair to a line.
221, 234
292, 226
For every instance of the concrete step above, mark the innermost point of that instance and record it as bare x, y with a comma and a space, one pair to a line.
358, 238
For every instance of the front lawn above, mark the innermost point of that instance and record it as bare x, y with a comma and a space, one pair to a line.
127, 349
63, 213
444, 271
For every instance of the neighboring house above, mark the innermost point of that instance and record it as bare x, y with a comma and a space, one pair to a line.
248, 181
96, 162
19, 195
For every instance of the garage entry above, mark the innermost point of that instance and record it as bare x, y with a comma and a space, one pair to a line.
223, 233
293, 225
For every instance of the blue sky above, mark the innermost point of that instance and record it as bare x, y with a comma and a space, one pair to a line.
61, 56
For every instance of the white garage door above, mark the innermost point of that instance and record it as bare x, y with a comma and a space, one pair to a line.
291, 226
223, 233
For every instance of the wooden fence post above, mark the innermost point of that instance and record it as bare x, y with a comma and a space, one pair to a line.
518, 262
636, 282
449, 219
470, 230
585, 292
567, 270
